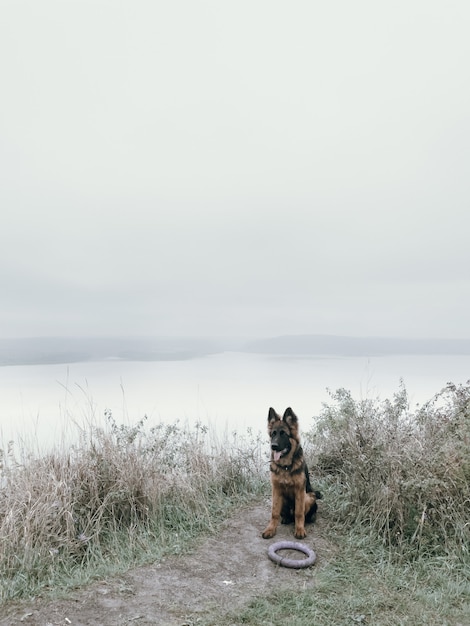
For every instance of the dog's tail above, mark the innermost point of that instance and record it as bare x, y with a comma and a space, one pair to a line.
309, 488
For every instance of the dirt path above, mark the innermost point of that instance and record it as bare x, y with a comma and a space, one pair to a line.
225, 571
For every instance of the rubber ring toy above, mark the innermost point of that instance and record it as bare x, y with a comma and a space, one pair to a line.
294, 563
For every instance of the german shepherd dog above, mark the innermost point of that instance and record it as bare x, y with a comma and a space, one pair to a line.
292, 495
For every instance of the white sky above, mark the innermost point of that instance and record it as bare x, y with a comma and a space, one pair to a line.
249, 167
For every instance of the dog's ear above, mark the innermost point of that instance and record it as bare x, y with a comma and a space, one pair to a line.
290, 417
273, 416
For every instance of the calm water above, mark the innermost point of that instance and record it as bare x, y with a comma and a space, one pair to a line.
41, 404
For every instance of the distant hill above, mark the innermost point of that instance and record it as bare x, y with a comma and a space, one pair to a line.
356, 346
56, 350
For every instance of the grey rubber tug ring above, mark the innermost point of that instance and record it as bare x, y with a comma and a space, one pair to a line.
291, 545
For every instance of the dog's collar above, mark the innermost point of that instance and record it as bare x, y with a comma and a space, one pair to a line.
286, 468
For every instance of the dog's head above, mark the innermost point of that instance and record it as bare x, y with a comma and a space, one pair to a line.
283, 432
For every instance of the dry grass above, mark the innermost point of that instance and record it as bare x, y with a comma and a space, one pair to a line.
127, 495
120, 495
404, 474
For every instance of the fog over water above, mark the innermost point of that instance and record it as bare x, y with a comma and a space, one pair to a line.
228, 391
250, 170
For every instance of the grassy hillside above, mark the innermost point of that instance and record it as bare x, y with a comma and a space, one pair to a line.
396, 486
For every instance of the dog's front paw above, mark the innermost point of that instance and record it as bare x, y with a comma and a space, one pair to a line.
300, 533
268, 533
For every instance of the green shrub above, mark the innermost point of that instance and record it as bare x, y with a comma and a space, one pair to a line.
404, 474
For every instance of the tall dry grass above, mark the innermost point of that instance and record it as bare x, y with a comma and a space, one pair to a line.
118, 495
129, 494
403, 473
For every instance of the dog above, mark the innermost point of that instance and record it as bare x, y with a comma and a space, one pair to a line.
293, 498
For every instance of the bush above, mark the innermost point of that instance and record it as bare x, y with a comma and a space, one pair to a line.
404, 474
120, 493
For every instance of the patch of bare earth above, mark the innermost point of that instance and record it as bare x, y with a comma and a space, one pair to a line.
223, 573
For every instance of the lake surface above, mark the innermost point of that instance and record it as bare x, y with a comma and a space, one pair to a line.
43, 404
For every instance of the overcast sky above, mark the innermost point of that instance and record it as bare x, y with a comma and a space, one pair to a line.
248, 167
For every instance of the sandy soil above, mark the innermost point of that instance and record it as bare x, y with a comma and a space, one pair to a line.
223, 573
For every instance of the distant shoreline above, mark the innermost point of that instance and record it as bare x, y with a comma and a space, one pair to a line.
56, 350
336, 345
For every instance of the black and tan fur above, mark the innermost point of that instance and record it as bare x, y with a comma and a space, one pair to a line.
293, 498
